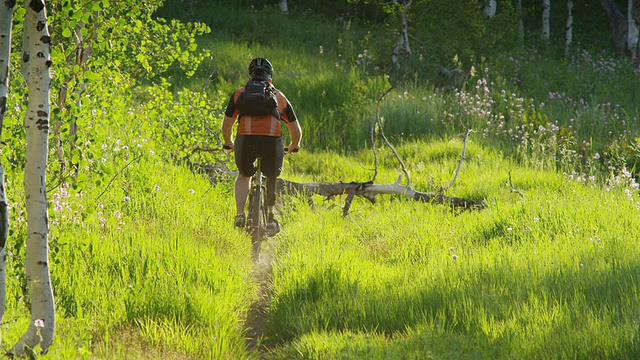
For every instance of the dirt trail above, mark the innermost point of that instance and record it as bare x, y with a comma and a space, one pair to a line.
262, 274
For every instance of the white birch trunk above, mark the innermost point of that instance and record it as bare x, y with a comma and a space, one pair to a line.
568, 28
284, 7
546, 16
402, 45
520, 23
36, 71
632, 34
490, 8
6, 19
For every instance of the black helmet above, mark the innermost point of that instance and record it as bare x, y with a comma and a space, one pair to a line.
260, 65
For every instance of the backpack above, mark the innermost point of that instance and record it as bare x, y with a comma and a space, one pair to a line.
258, 98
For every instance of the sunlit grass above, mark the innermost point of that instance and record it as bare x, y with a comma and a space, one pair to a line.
541, 274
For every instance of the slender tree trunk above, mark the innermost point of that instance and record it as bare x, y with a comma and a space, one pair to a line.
632, 31
36, 71
520, 23
546, 16
635, 12
619, 24
6, 21
402, 46
490, 7
568, 30
284, 7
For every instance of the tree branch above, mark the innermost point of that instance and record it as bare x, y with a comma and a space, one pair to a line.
462, 157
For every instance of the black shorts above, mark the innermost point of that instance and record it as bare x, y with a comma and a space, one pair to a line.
249, 147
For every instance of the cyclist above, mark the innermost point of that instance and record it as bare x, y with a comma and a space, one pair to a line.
259, 136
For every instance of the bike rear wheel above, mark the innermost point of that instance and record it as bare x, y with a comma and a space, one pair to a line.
257, 216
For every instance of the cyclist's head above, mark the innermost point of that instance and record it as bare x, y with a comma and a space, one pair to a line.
260, 68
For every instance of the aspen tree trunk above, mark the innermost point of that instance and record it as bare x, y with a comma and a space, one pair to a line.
284, 7
402, 46
635, 13
632, 32
490, 8
546, 15
36, 71
568, 28
6, 20
520, 23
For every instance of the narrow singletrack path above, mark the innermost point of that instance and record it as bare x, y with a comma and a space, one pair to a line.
256, 316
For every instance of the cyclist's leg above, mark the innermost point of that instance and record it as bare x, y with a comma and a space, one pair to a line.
272, 166
244, 158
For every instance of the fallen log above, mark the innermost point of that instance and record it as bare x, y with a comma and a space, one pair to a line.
369, 190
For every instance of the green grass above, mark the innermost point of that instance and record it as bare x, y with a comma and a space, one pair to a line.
545, 274
552, 272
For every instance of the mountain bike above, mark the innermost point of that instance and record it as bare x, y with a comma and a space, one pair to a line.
258, 218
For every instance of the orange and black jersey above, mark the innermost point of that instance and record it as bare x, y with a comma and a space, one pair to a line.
268, 125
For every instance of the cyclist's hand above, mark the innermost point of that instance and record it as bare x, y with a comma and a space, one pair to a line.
291, 149
229, 146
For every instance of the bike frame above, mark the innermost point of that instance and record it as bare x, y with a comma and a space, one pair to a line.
257, 208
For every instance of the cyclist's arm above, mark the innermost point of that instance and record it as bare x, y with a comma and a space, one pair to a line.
227, 130
296, 135
230, 115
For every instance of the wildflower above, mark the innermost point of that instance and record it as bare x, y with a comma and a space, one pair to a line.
126, 199
580, 265
156, 187
191, 191
535, 219
455, 257
451, 248
39, 323
117, 214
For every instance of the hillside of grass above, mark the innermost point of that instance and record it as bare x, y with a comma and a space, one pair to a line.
146, 263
